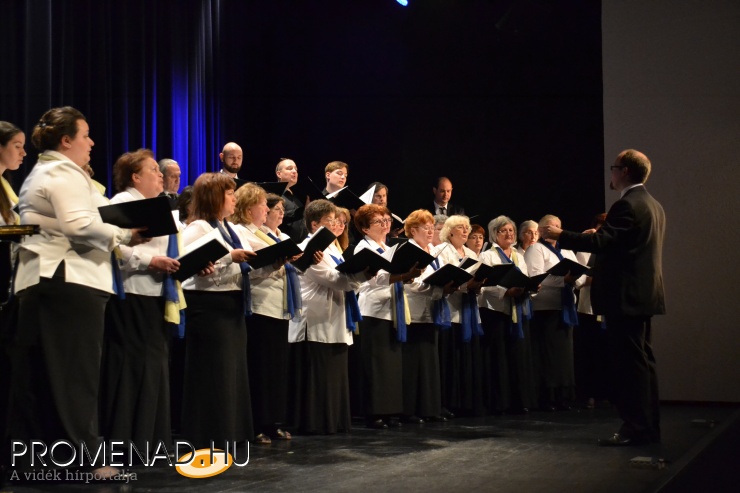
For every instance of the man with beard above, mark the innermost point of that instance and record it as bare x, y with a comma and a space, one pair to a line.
231, 159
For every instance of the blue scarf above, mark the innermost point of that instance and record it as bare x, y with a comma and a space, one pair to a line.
117, 277
229, 235
515, 329
441, 316
568, 299
293, 286
351, 307
470, 315
400, 307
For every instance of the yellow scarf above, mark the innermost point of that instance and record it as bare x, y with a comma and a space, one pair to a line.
11, 196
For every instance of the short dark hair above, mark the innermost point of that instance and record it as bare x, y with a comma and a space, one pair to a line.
55, 124
378, 186
208, 195
128, 164
316, 209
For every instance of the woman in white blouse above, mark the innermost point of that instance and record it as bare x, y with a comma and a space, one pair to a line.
63, 282
459, 348
385, 316
275, 299
216, 397
505, 314
324, 331
552, 323
135, 392
421, 386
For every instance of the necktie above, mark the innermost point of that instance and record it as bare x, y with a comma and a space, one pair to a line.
443, 211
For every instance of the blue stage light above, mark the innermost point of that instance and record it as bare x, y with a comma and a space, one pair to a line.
405, 3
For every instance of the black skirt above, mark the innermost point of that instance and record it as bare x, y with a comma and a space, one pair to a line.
382, 367
216, 401
268, 370
134, 390
421, 387
326, 405
494, 360
552, 346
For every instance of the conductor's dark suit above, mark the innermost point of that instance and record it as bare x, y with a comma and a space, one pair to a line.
627, 289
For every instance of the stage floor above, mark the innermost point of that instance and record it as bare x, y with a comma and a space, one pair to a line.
538, 452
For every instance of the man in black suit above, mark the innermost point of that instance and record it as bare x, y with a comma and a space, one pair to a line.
442, 194
627, 288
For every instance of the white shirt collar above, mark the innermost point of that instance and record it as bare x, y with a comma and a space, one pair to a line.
625, 190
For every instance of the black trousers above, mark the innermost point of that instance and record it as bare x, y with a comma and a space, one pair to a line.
56, 362
635, 379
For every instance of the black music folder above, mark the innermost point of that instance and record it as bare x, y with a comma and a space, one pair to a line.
517, 279
320, 240
567, 265
269, 255
447, 273
493, 274
403, 256
196, 260
154, 214
365, 258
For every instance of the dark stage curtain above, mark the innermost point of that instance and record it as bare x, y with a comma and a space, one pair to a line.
144, 73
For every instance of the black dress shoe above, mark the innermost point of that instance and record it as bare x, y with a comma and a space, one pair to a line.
518, 410
378, 424
446, 413
618, 440
435, 419
547, 408
392, 422
414, 420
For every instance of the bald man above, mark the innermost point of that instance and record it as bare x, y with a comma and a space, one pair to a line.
627, 288
231, 159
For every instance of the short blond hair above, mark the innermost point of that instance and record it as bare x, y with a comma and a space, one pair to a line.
452, 222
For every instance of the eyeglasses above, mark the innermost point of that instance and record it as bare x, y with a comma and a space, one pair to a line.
428, 229
381, 221
616, 167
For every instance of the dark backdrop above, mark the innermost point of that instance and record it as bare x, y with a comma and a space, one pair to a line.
504, 97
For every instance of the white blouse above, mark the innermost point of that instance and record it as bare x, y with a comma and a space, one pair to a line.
493, 297
137, 278
228, 274
449, 255
375, 294
539, 259
60, 197
421, 295
322, 290
267, 283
